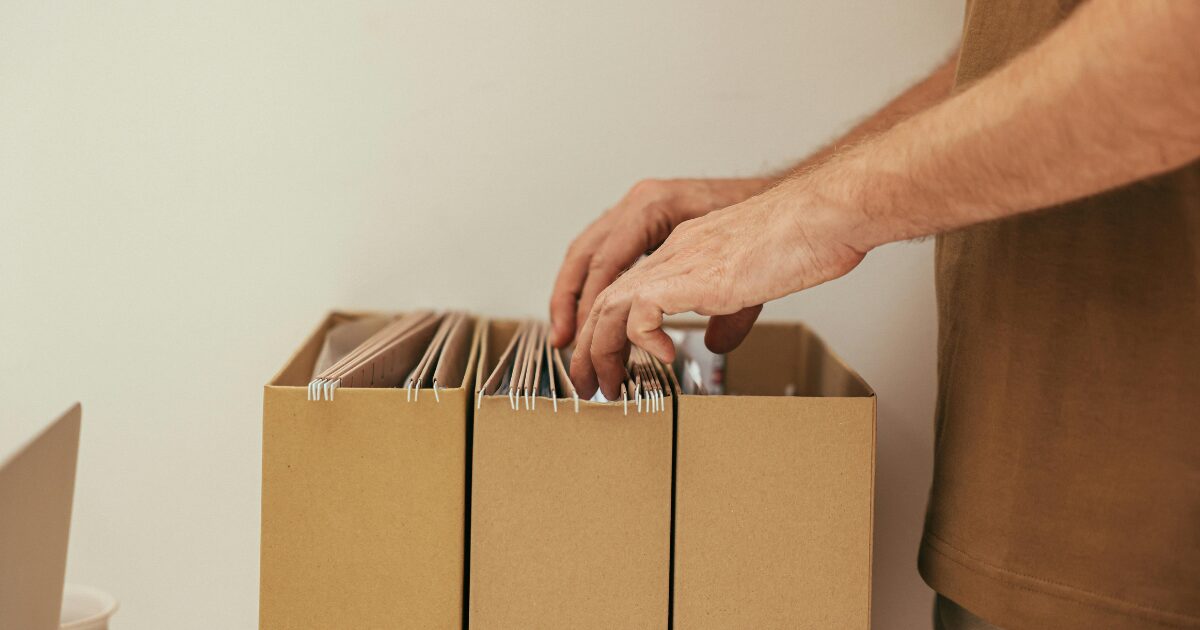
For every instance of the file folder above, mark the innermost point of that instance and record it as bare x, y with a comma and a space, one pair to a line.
571, 506
430, 470
364, 477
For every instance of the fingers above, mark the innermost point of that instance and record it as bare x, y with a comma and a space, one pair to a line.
564, 296
598, 278
613, 243
583, 376
624, 313
632, 311
726, 332
563, 299
645, 330
601, 350
610, 346
618, 252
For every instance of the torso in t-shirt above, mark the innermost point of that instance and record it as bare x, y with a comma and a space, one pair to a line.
1066, 487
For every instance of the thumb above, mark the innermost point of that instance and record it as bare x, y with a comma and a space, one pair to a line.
726, 332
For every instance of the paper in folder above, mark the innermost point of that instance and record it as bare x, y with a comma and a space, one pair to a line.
386, 358
530, 368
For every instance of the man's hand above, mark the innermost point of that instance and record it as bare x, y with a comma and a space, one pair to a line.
1109, 97
640, 222
648, 213
725, 264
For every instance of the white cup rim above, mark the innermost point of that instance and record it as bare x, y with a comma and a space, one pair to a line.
108, 601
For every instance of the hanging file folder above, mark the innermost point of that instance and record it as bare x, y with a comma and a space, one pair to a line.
434, 469
571, 503
364, 476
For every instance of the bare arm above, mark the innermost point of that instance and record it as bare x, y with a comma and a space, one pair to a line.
1109, 97
648, 213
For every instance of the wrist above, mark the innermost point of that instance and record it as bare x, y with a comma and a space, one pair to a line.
726, 192
826, 209
694, 198
850, 204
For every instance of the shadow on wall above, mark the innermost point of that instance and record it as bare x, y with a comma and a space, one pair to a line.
906, 380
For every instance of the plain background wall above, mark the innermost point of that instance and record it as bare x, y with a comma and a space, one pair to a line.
186, 189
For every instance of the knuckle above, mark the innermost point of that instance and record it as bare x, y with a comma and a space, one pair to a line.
606, 304
676, 239
608, 308
646, 186
578, 247
658, 221
681, 234
602, 300
635, 328
597, 264
598, 305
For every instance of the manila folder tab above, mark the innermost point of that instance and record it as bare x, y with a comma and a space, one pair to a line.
37, 485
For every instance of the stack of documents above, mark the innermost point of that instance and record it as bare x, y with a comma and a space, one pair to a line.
530, 368
385, 359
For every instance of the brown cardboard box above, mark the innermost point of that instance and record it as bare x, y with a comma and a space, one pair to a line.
774, 492
363, 503
571, 512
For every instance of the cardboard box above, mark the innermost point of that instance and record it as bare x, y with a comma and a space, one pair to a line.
571, 512
774, 492
765, 495
363, 503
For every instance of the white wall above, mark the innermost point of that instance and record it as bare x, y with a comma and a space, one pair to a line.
185, 189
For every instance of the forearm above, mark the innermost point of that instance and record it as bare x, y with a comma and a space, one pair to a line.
1110, 97
927, 92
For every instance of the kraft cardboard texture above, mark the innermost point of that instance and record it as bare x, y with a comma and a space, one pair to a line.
363, 504
571, 513
571, 521
774, 493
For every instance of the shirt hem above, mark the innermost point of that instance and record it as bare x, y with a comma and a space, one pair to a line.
1011, 600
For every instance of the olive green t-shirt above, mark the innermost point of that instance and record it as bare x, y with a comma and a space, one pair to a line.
1066, 489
